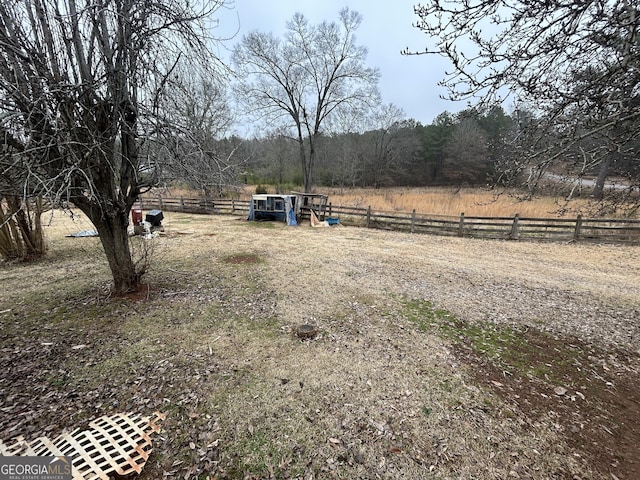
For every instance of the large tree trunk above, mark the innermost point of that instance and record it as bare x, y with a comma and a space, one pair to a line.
112, 228
308, 180
303, 161
307, 163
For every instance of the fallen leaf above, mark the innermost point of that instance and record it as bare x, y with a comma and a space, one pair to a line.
560, 391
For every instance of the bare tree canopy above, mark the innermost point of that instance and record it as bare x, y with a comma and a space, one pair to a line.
305, 78
575, 65
81, 85
198, 149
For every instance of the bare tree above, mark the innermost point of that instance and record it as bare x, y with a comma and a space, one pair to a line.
389, 146
575, 64
199, 147
278, 155
344, 160
305, 78
467, 154
81, 82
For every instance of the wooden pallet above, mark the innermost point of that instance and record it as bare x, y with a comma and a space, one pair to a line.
119, 444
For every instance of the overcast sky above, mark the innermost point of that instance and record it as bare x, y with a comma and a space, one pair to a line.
410, 82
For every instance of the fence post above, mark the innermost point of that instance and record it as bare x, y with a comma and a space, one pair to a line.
413, 221
461, 225
181, 203
576, 233
233, 205
515, 228
330, 209
368, 216
160, 202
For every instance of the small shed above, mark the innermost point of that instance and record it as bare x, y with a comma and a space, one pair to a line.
273, 207
306, 202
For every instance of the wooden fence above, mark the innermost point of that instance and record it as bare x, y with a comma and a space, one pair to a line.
512, 228
194, 205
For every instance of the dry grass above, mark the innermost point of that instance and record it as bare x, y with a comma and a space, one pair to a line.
373, 396
452, 201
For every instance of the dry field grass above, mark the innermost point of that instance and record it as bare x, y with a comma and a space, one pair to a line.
435, 358
452, 201
440, 201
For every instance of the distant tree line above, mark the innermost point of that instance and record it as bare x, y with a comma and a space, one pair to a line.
472, 147
455, 149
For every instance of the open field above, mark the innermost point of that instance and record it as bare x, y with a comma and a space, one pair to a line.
435, 357
443, 201
454, 201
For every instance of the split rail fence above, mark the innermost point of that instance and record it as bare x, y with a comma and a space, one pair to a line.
513, 228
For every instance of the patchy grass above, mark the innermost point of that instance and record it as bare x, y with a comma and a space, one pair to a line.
502, 344
446, 385
542, 373
266, 225
243, 258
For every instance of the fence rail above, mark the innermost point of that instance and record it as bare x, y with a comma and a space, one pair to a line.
513, 228
193, 205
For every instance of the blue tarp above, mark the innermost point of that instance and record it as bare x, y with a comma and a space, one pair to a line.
84, 233
251, 212
291, 214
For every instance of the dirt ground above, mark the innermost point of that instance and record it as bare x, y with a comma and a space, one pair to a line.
435, 357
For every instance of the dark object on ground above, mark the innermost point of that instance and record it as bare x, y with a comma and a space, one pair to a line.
154, 217
306, 331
